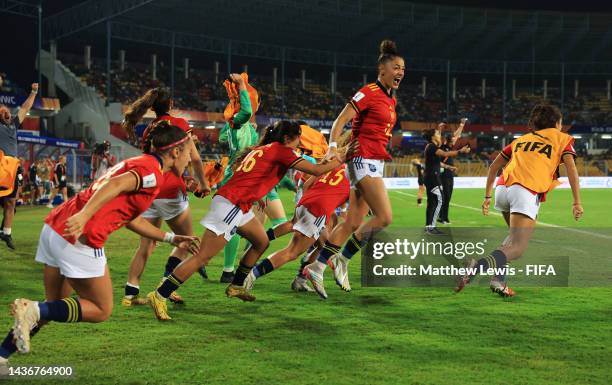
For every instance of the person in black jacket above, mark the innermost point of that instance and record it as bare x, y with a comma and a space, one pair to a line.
448, 171
433, 155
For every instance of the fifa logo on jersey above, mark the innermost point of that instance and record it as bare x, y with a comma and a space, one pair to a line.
540, 147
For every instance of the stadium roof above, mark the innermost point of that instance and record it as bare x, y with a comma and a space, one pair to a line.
345, 26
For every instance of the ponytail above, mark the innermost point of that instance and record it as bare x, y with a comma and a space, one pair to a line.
156, 98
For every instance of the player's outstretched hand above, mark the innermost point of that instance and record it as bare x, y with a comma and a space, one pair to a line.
485, 206
75, 225
186, 242
577, 210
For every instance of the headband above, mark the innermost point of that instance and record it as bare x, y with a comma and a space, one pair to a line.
177, 143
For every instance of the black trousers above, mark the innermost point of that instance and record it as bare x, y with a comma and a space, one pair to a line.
434, 202
447, 192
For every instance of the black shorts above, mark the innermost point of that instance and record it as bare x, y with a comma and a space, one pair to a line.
62, 185
420, 180
18, 178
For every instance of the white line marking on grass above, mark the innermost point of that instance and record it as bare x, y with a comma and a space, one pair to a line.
500, 215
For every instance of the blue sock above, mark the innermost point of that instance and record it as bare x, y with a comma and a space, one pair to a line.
131, 290
63, 310
352, 247
327, 251
263, 268
270, 233
172, 263
497, 259
170, 284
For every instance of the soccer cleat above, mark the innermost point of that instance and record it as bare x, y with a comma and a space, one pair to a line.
465, 279
50, 205
227, 277
316, 280
434, 231
239, 292
159, 306
203, 273
8, 240
176, 298
339, 264
133, 300
300, 284
501, 288
27, 315
249, 281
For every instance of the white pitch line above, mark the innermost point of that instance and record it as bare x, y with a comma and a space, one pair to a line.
500, 215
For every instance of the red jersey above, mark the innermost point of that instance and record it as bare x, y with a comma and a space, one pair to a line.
374, 121
258, 173
329, 191
120, 210
172, 184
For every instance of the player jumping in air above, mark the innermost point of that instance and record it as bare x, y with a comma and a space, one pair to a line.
530, 170
231, 210
71, 243
372, 111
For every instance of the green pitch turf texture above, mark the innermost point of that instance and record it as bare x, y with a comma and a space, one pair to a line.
367, 336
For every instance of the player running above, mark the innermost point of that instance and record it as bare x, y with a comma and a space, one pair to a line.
530, 170
171, 204
372, 111
321, 197
231, 210
71, 243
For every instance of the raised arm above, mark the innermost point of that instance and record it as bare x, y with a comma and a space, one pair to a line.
27, 105
458, 131
574, 181
246, 110
494, 168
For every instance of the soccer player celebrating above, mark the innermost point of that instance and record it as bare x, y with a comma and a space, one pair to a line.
321, 198
171, 204
71, 243
530, 170
231, 210
372, 111
238, 133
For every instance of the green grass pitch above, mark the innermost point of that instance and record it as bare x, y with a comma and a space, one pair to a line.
368, 336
